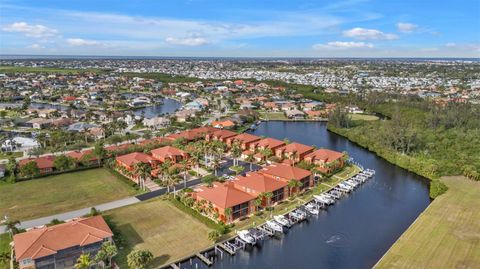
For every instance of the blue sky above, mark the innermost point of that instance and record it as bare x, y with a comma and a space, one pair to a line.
297, 28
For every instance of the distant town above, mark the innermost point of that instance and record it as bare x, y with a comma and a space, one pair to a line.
160, 163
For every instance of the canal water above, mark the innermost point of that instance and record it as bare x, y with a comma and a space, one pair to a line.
353, 233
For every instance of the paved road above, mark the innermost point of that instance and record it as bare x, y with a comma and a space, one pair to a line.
101, 207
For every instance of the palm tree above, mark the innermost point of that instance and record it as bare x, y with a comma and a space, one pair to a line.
215, 165
294, 156
83, 262
138, 259
291, 185
110, 250
228, 214
11, 225
183, 164
236, 152
268, 197
266, 152
171, 181
143, 171
257, 202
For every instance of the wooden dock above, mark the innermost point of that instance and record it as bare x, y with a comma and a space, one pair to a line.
228, 249
204, 259
174, 266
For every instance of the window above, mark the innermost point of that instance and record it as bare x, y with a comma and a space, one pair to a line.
240, 210
278, 195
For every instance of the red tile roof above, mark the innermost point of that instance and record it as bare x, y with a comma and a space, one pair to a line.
79, 155
223, 124
245, 138
167, 152
46, 241
258, 182
270, 143
297, 147
325, 155
223, 134
42, 162
286, 171
135, 157
223, 195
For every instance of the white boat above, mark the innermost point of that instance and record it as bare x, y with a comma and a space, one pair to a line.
246, 236
282, 220
295, 216
274, 226
303, 214
352, 183
323, 199
345, 186
312, 209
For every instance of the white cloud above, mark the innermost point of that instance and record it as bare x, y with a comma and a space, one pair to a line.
35, 46
364, 34
451, 45
37, 30
406, 27
82, 42
187, 41
341, 45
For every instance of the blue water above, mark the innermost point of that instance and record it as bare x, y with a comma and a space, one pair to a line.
357, 230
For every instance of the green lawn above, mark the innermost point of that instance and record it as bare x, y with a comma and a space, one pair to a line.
160, 227
5, 240
60, 193
445, 235
272, 115
363, 117
16, 154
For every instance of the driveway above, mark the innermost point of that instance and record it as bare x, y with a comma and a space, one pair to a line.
226, 164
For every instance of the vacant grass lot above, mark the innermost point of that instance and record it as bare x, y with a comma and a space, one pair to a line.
445, 235
5, 240
273, 115
363, 117
158, 226
61, 193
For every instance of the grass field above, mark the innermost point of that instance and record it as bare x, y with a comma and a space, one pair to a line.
157, 225
445, 235
4, 248
60, 193
273, 115
363, 117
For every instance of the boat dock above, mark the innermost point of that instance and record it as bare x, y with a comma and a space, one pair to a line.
260, 232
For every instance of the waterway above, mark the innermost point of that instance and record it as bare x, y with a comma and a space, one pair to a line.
353, 233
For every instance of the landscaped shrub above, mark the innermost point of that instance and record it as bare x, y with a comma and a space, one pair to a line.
437, 188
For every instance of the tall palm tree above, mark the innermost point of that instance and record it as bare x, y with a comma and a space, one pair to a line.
268, 197
11, 226
236, 152
228, 214
143, 171
83, 262
183, 165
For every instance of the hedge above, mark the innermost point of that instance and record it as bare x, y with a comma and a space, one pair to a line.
210, 223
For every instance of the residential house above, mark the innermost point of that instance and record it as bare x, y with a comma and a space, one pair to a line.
270, 143
225, 195
287, 173
223, 124
294, 151
84, 157
129, 161
44, 163
294, 114
221, 135
257, 183
326, 160
156, 122
243, 139
59, 246
170, 153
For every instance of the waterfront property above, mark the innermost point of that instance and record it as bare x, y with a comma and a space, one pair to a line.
239, 194
326, 160
267, 143
244, 139
160, 227
445, 235
61, 193
220, 135
59, 246
294, 151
